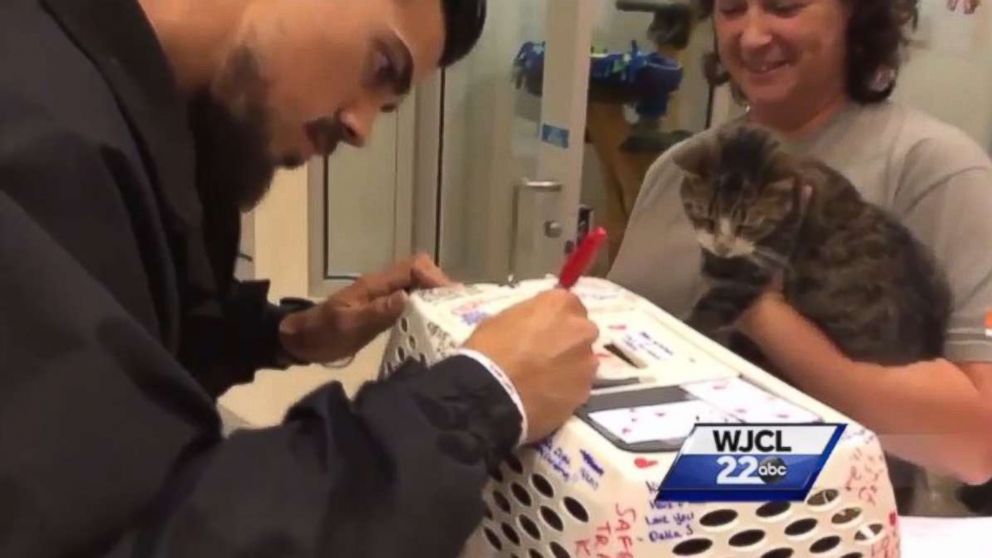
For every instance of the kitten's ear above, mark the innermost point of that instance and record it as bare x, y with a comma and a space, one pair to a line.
803, 195
784, 185
796, 188
696, 158
781, 164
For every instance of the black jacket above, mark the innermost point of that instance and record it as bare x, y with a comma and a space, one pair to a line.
120, 322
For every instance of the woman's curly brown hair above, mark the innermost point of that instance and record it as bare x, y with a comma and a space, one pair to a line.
875, 40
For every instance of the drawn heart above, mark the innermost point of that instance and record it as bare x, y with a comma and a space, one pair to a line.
643, 463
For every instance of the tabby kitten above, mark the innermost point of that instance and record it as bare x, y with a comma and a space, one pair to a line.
846, 265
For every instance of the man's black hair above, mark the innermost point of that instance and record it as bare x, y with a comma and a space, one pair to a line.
463, 23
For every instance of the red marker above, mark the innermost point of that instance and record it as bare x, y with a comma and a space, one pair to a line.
578, 262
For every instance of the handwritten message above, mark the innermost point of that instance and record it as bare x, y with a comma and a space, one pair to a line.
866, 471
670, 521
591, 471
642, 341
557, 458
445, 294
667, 521
442, 342
613, 538
888, 547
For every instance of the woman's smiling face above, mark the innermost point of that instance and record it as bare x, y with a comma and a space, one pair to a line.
783, 53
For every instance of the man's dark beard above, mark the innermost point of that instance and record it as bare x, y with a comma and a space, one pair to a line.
232, 158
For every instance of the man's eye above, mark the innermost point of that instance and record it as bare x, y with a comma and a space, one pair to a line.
385, 70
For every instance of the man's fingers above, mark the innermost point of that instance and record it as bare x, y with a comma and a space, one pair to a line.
381, 314
426, 275
377, 285
418, 272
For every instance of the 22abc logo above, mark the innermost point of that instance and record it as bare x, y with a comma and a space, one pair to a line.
747, 470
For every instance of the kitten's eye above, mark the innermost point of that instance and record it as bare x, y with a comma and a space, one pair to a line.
695, 208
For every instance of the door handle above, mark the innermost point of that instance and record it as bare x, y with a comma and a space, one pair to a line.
535, 223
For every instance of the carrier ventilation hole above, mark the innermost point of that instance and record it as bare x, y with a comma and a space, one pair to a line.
692, 547
823, 498
801, 527
511, 534
576, 509
552, 519
718, 518
750, 537
846, 516
773, 509
824, 545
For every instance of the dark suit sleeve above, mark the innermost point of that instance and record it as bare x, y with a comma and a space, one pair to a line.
110, 448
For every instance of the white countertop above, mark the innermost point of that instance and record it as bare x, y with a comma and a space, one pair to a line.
925, 537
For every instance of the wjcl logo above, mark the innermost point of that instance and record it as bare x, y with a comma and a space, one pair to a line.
750, 462
747, 469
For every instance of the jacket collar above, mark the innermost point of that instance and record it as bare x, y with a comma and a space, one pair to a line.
117, 37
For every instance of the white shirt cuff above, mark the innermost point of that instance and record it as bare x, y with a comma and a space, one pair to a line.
504, 381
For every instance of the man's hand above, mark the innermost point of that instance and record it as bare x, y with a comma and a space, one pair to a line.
351, 318
545, 347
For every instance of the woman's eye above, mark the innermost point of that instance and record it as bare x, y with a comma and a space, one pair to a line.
785, 8
731, 7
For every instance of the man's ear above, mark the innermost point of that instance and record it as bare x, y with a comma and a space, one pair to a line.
696, 158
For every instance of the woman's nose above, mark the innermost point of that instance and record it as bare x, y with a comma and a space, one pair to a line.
755, 34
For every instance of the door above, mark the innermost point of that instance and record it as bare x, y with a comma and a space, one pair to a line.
359, 205
499, 175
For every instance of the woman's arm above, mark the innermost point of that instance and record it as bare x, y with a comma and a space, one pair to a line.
936, 414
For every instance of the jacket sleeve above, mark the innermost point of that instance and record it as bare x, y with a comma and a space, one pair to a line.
112, 449
227, 338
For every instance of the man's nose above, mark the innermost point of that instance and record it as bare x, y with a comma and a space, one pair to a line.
357, 122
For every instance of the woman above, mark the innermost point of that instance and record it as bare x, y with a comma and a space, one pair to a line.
819, 72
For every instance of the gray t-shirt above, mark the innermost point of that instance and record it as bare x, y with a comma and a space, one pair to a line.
933, 177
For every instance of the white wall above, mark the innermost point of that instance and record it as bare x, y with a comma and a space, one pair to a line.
491, 130
950, 74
